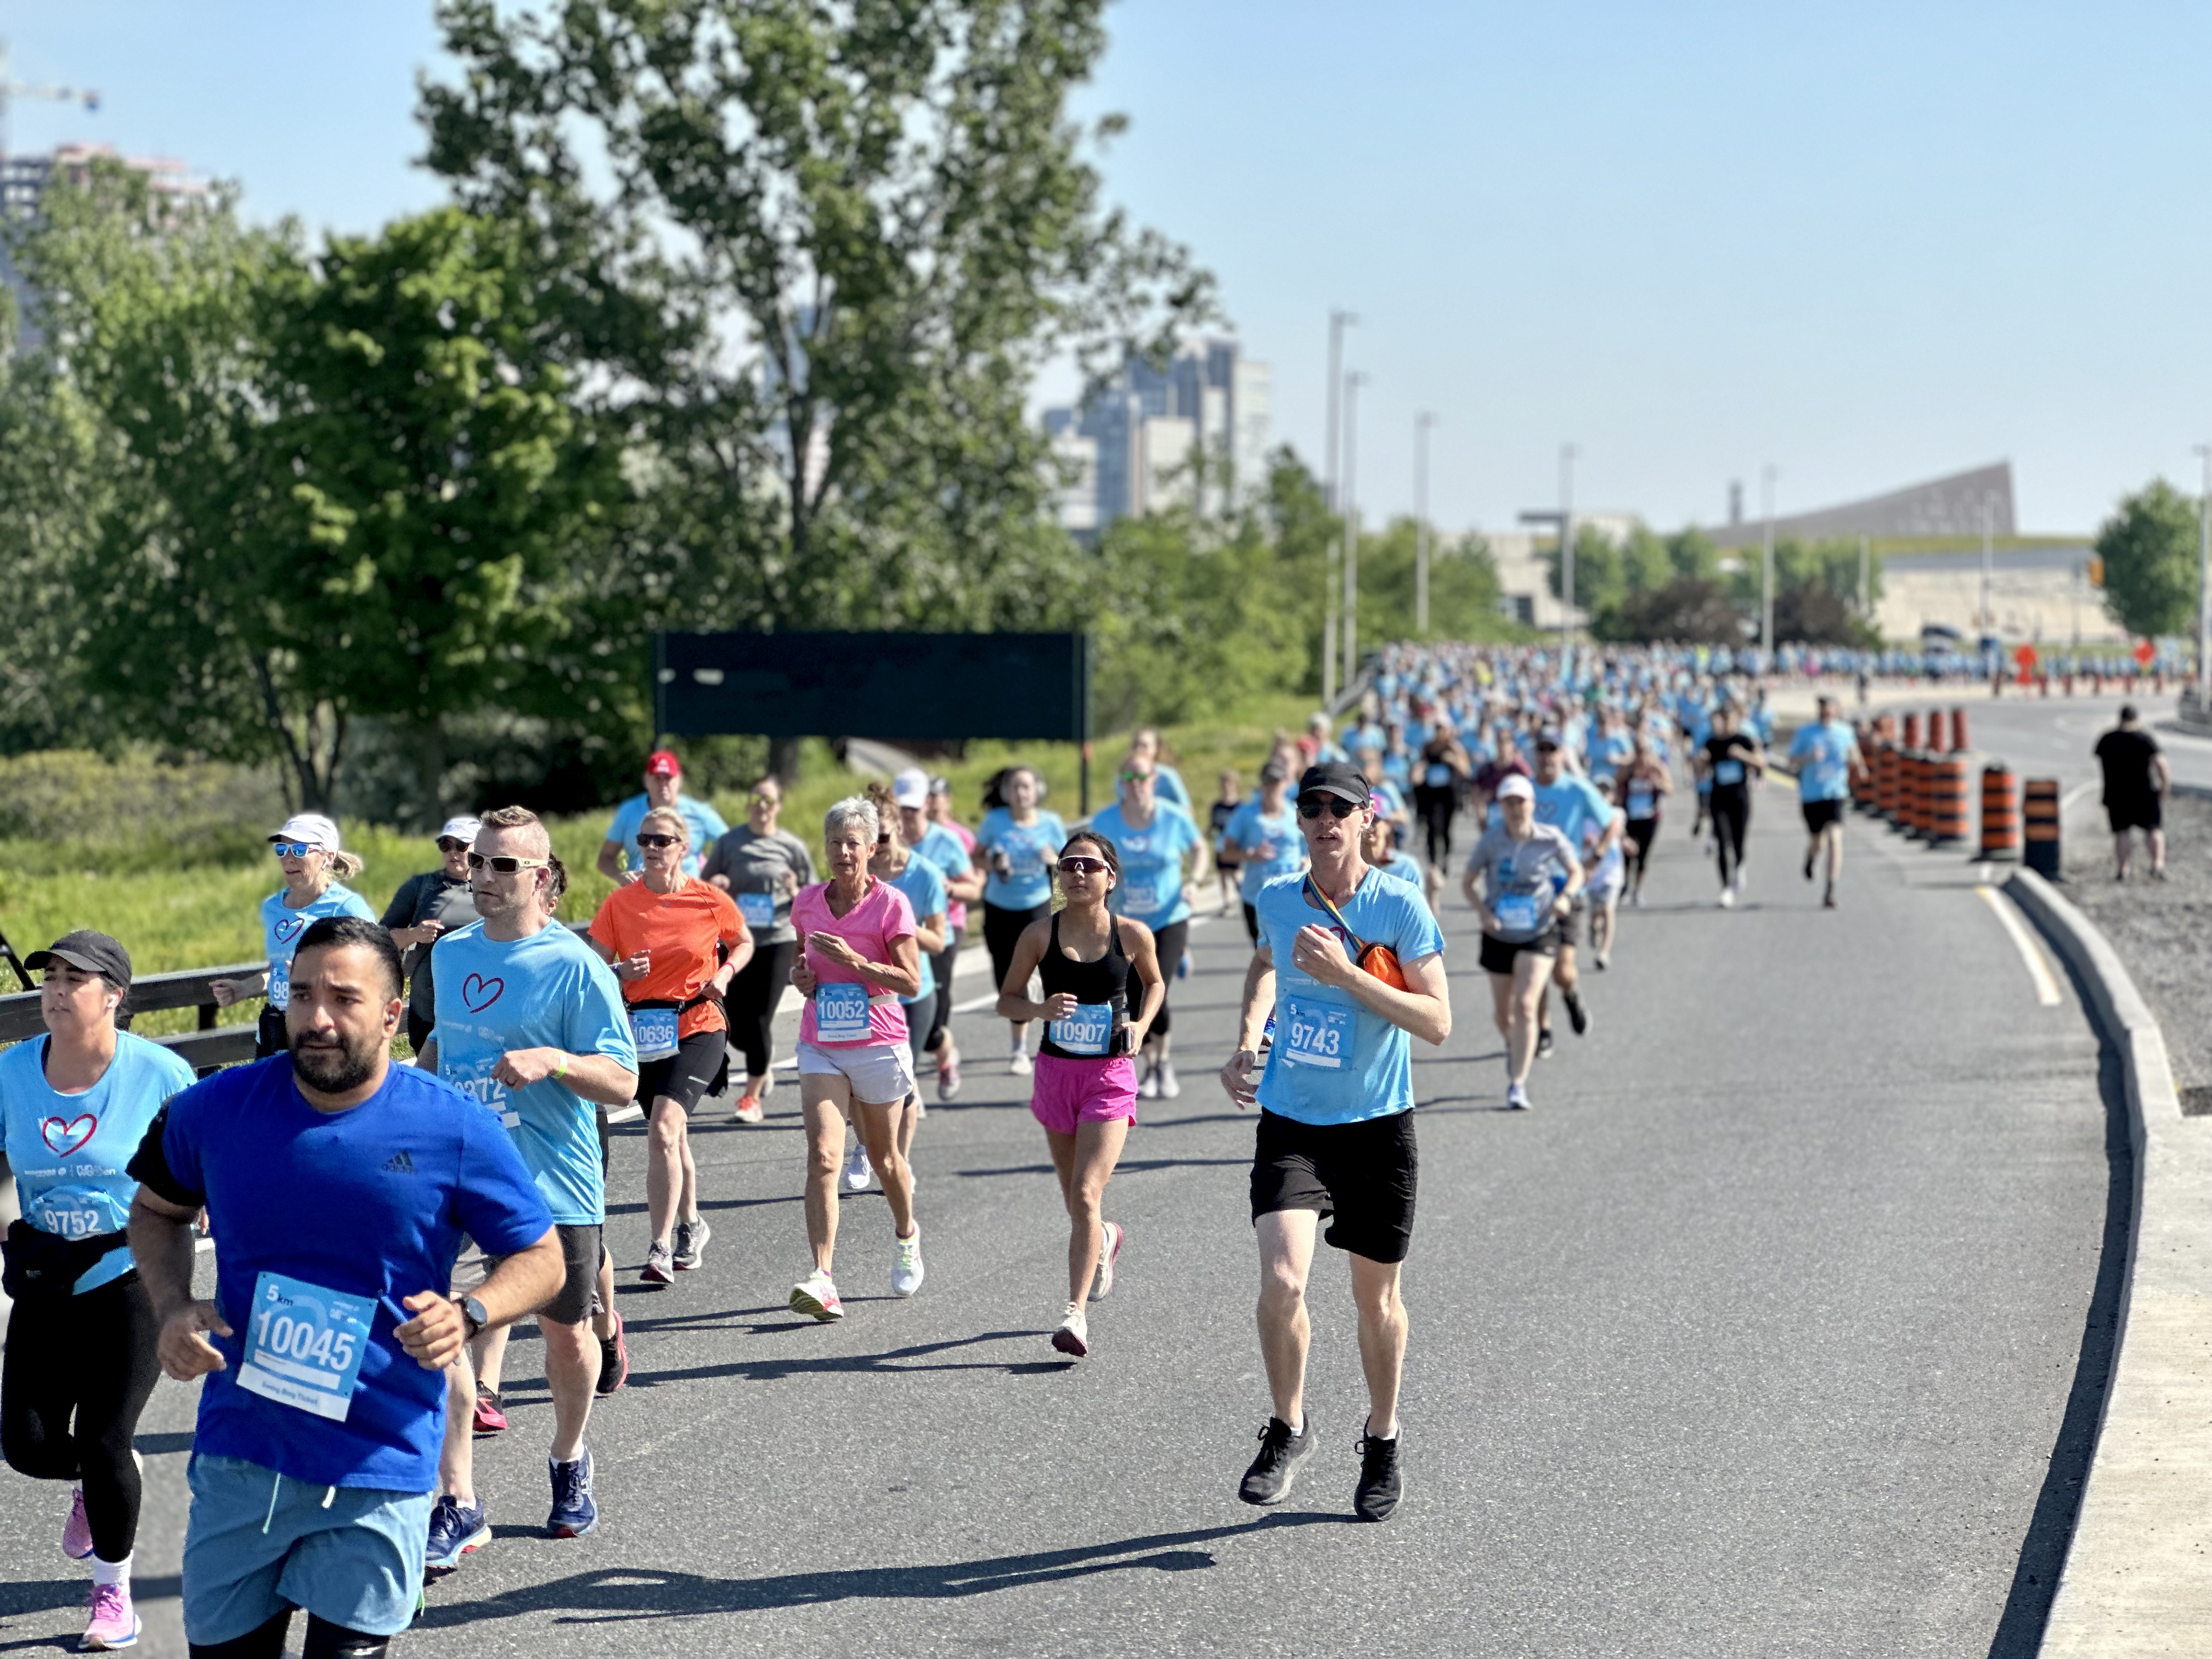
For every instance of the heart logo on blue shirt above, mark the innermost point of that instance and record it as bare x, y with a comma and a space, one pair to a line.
63, 1136
479, 993
289, 930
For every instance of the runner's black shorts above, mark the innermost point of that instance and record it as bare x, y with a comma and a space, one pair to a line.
578, 1298
1363, 1174
1820, 814
2143, 812
1569, 926
1499, 955
684, 1075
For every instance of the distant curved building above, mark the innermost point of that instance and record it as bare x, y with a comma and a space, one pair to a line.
1943, 507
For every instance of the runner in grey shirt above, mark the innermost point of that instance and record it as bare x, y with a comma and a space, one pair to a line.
762, 867
1530, 876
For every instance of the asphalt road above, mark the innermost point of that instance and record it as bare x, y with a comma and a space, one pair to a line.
1757, 1337
2057, 737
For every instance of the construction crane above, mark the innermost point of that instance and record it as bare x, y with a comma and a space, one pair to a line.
11, 91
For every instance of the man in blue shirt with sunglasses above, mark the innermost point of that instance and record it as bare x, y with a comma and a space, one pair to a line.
1336, 1116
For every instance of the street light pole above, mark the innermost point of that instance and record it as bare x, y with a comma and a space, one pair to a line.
2205, 587
1338, 321
1989, 609
1766, 476
1422, 422
1351, 383
1566, 551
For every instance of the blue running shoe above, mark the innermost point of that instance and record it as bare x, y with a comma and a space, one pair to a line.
574, 1514
456, 1530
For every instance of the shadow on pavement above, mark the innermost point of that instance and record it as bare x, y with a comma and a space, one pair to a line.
1126, 1166
896, 1361
29, 1596
617, 1595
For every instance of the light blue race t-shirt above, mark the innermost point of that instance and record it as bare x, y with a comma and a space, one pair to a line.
280, 929
1248, 829
1030, 849
1167, 786
68, 1152
923, 884
1822, 753
1151, 890
1332, 1061
706, 828
547, 991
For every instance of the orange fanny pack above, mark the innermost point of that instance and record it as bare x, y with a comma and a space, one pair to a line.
1378, 961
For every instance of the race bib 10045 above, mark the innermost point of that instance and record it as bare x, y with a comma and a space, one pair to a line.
1316, 1034
304, 1344
1089, 1030
841, 1013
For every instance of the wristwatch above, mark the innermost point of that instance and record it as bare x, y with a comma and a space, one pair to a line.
473, 1314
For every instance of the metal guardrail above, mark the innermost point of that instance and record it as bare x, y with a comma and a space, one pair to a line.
204, 1049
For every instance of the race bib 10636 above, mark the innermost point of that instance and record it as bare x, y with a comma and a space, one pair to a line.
304, 1344
1316, 1033
653, 1032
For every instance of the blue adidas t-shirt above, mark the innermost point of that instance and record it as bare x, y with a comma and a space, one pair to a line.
1332, 1061
280, 929
923, 884
1250, 828
1151, 890
547, 991
1822, 753
368, 1204
706, 828
1031, 850
70, 1153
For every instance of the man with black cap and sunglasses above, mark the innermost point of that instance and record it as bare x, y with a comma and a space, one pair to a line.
1351, 965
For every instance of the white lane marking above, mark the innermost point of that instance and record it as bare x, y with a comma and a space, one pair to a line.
2067, 802
2038, 969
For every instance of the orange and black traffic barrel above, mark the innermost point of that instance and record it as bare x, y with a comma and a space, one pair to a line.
1948, 822
2040, 815
1999, 814
1887, 767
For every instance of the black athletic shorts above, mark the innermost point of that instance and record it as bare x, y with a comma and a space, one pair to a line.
1820, 814
1363, 1174
1499, 955
578, 1298
684, 1075
1569, 926
2143, 812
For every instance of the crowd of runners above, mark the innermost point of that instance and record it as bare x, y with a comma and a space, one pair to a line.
377, 1225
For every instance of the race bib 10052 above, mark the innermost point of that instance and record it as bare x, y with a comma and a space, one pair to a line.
841, 1013
1089, 1030
304, 1344
1316, 1033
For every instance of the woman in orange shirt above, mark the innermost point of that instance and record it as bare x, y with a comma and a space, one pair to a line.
675, 942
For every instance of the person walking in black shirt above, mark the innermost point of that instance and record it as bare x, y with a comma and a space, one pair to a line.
2136, 778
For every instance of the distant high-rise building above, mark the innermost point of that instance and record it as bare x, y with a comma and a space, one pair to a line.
24, 179
1193, 432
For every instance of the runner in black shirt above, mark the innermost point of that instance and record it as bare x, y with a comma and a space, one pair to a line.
1732, 760
2136, 778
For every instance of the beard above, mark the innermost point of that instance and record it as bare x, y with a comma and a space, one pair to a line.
335, 1068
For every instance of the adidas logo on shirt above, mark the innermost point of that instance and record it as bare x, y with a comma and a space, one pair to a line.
399, 1163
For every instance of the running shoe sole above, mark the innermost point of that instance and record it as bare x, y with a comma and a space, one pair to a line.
115, 1645
1067, 1342
650, 1274
802, 1301
469, 1546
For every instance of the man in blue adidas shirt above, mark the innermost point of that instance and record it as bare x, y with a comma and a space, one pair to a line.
1336, 1120
340, 1186
1826, 756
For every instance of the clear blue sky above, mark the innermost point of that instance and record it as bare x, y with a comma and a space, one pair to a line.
1867, 243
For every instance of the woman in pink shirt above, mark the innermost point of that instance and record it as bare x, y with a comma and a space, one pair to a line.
858, 955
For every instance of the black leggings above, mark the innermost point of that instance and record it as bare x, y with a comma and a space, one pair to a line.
324, 1640
1731, 822
750, 1004
90, 1358
1437, 804
941, 1010
1170, 942
1002, 931
1642, 832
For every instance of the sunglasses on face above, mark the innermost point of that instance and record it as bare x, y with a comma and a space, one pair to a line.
658, 841
506, 864
293, 849
450, 846
1335, 806
759, 799
1082, 867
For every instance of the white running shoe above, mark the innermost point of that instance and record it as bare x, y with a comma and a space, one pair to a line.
1150, 1088
1073, 1336
857, 1170
1109, 1250
1517, 1098
1019, 1064
1728, 898
1169, 1087
907, 1271
815, 1297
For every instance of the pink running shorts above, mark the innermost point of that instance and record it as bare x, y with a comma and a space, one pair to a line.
1066, 1092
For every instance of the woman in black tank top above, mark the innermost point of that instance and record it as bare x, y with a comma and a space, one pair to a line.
1084, 1089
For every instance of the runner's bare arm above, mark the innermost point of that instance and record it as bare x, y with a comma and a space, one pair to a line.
161, 1244
600, 1079
522, 1282
1237, 1079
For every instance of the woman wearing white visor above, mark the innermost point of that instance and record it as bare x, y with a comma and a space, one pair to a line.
1530, 876
308, 851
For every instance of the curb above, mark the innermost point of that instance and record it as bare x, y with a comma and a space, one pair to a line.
2138, 1579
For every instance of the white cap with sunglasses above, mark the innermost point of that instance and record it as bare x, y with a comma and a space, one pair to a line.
311, 831
910, 788
462, 829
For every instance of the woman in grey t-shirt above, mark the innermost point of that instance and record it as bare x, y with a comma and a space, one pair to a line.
763, 868
1530, 876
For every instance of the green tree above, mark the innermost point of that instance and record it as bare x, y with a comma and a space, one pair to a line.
1462, 586
2150, 548
837, 244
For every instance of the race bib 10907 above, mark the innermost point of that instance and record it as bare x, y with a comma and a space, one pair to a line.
1316, 1033
841, 1013
304, 1344
1089, 1030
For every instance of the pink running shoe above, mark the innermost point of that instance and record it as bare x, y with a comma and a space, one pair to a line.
114, 1623
76, 1531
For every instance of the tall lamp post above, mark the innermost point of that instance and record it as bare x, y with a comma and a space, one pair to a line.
1567, 453
2205, 588
1422, 424
1338, 321
1766, 476
1351, 383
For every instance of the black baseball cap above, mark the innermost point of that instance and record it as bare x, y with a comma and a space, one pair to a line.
1335, 778
94, 953
1273, 771
1547, 740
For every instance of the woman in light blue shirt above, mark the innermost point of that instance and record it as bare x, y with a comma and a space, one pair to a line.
314, 863
1017, 844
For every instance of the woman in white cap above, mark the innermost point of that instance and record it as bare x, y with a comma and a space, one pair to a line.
436, 901
1529, 876
307, 849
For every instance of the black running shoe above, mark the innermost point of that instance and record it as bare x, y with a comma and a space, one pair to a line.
1809, 866
1577, 1016
1269, 1479
614, 1361
1376, 1495
1543, 1043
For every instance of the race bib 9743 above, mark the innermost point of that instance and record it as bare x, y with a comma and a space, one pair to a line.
1316, 1033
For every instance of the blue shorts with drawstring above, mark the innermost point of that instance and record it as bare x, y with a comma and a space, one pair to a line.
259, 1542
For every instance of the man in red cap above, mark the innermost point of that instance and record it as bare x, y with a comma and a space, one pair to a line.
664, 788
